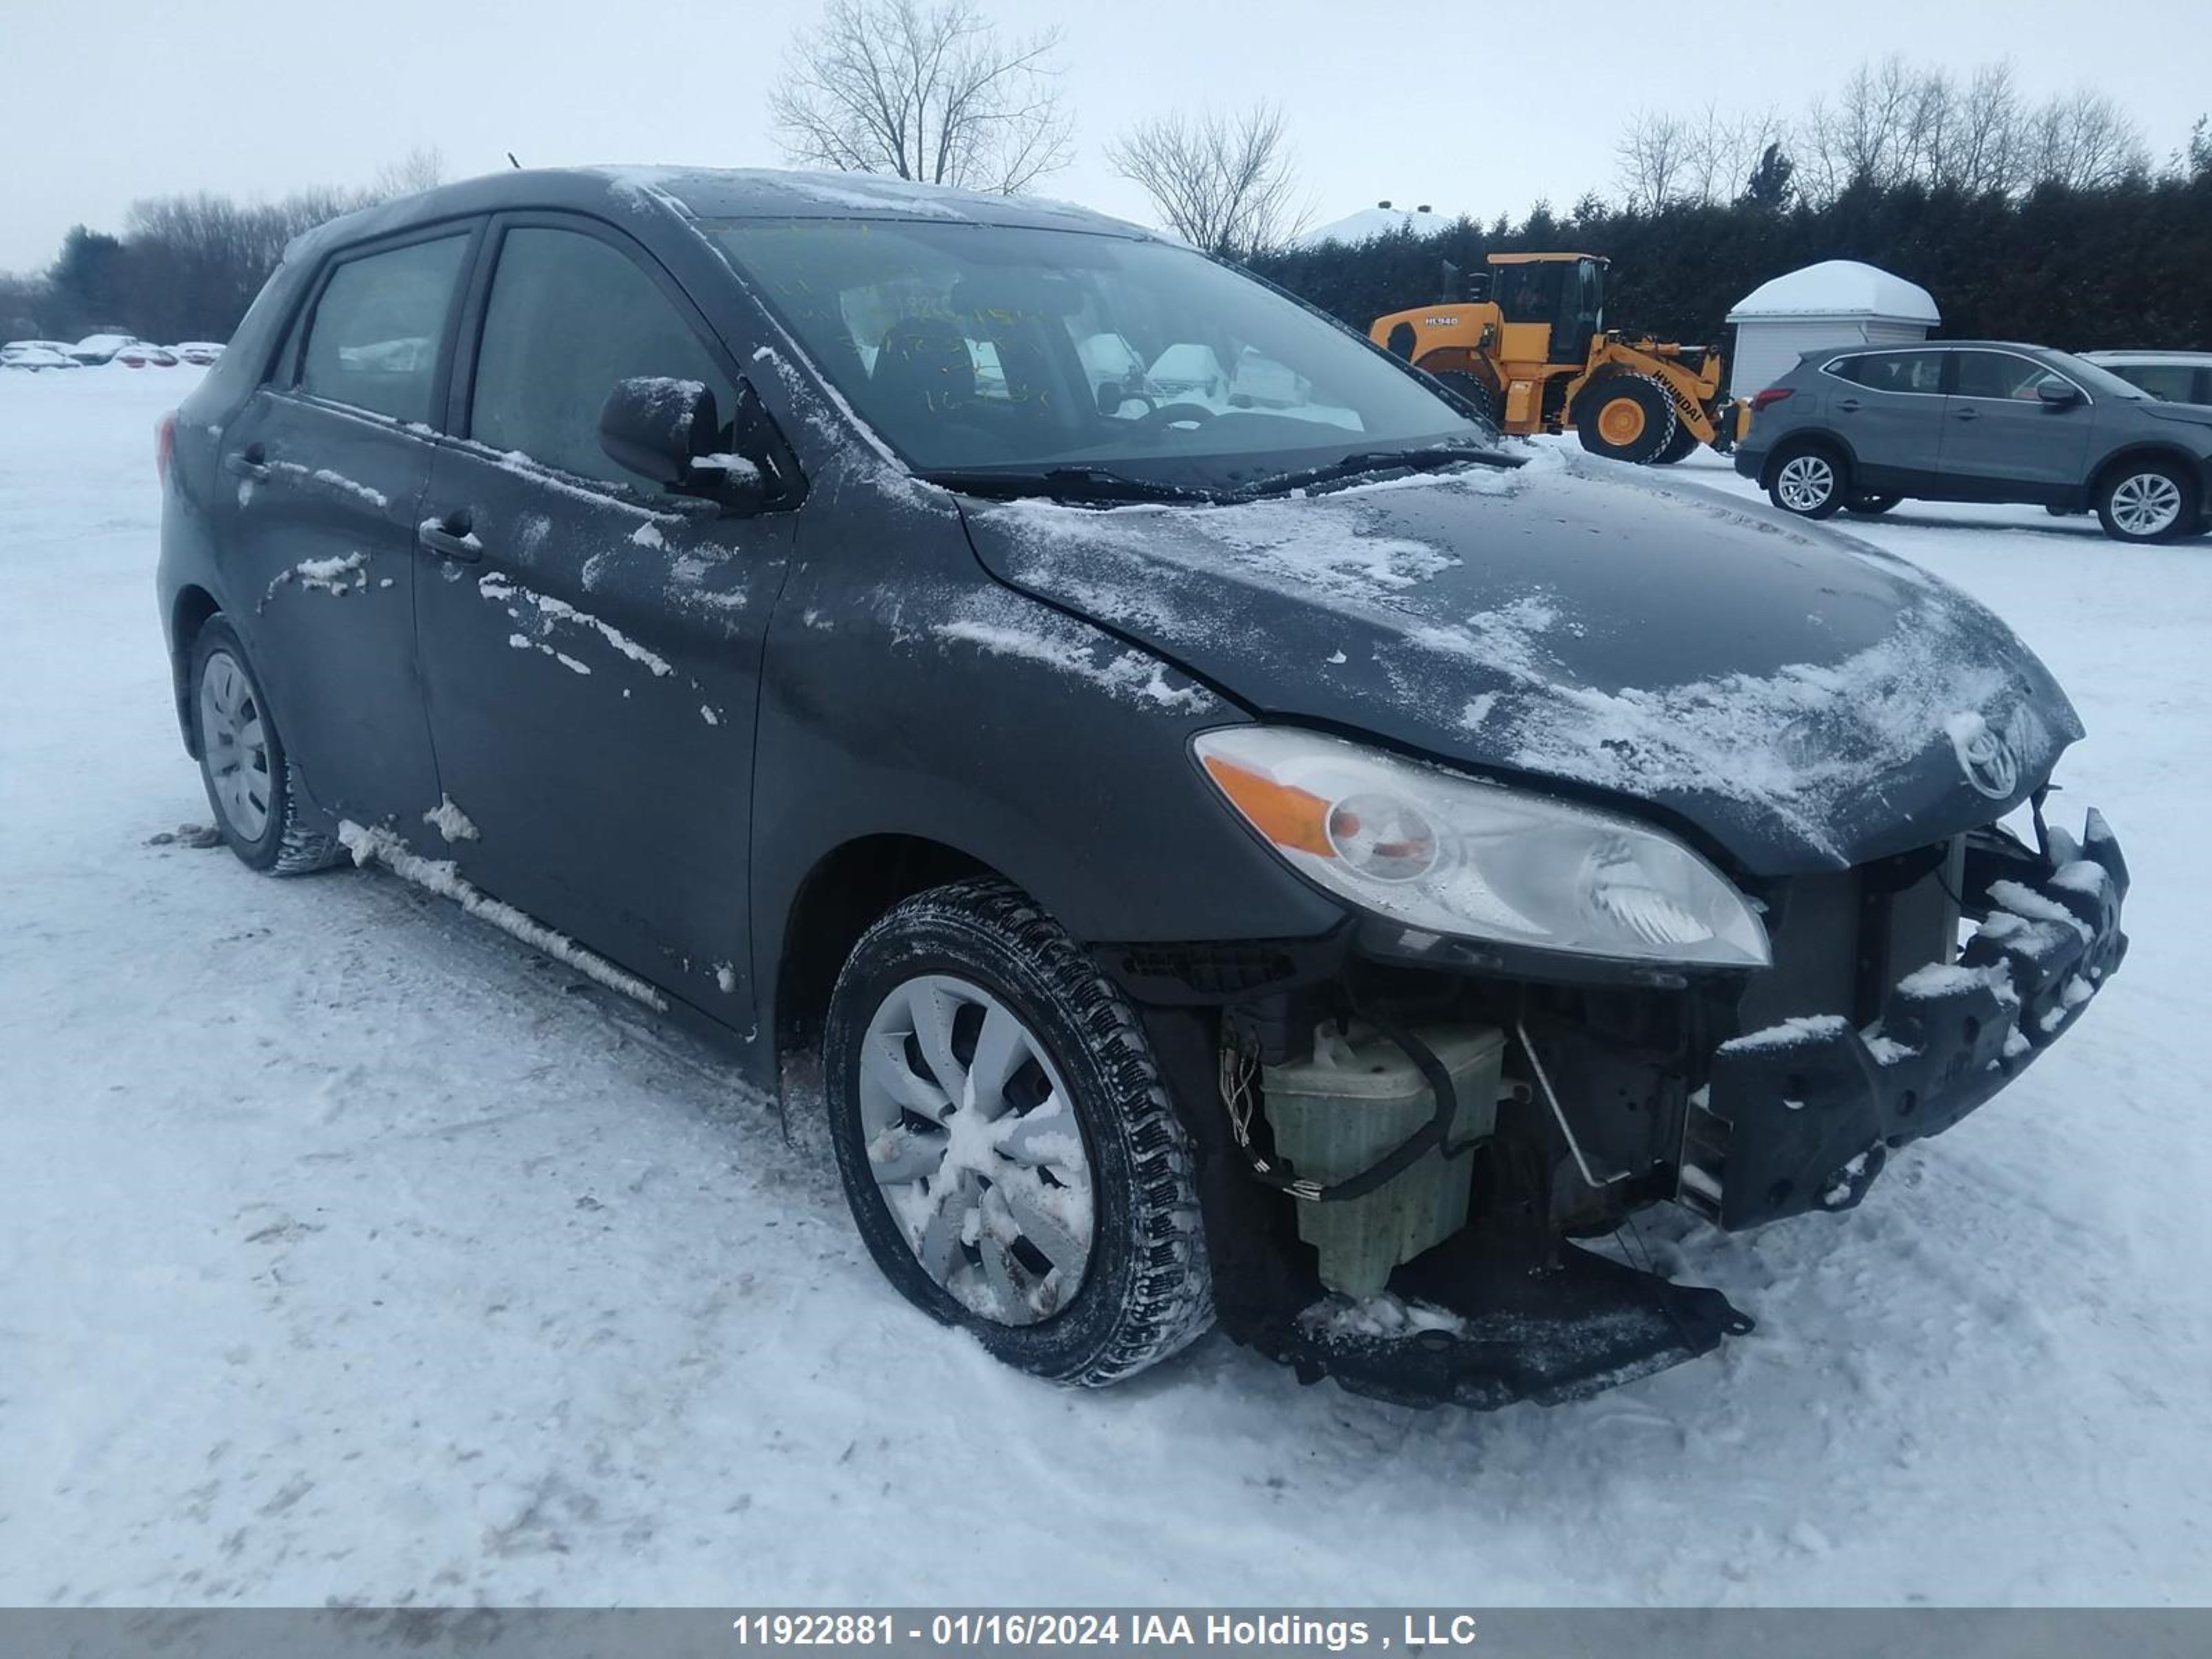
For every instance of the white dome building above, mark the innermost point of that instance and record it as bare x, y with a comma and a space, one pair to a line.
1381, 219
1838, 302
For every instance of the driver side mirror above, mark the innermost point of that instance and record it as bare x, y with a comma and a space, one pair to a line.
2059, 394
664, 430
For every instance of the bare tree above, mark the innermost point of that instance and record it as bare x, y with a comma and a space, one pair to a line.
2085, 140
422, 167
934, 95
1722, 150
1985, 155
1654, 161
1893, 123
1222, 182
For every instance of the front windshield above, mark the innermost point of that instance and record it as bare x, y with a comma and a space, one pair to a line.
991, 348
2099, 382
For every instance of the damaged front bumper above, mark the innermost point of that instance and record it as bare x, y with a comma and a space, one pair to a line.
1802, 1116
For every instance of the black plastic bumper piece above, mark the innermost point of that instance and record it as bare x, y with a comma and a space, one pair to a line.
1803, 1117
1536, 1320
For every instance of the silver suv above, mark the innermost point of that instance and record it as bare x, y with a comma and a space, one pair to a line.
1979, 421
2179, 377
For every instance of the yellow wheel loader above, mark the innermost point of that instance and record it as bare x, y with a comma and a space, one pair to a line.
1528, 346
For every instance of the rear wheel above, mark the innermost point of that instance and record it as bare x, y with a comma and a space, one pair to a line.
1870, 507
1808, 482
2147, 501
250, 781
1007, 1150
1626, 417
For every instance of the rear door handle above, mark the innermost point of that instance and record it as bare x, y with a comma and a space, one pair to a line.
449, 537
1970, 413
247, 463
1849, 405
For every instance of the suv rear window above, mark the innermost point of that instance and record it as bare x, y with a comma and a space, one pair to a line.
373, 342
1893, 371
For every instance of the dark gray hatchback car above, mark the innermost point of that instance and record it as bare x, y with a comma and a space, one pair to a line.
1979, 421
1242, 844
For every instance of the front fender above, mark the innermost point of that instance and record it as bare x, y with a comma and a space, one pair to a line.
907, 692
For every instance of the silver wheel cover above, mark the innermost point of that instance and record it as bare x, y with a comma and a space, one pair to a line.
1805, 483
2146, 504
973, 1141
235, 745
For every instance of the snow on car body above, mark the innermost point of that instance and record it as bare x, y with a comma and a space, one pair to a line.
819, 644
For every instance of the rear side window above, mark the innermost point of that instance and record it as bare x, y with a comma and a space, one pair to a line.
569, 315
2173, 382
2000, 375
372, 342
1894, 371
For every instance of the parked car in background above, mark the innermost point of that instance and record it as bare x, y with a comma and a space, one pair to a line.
198, 353
35, 354
139, 355
2178, 377
1979, 421
1211, 847
96, 349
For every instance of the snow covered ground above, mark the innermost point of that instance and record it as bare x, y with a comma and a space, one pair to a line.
349, 1250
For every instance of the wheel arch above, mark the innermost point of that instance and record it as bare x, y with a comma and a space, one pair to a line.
848, 888
188, 613
2151, 449
1796, 443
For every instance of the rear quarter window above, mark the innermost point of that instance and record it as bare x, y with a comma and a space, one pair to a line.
372, 340
1892, 371
2175, 382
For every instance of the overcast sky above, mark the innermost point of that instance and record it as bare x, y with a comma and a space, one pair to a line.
1476, 106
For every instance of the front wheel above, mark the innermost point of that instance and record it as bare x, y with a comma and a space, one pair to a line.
1007, 1149
1869, 507
2149, 502
1808, 484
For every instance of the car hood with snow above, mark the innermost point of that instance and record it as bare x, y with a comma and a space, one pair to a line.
1802, 700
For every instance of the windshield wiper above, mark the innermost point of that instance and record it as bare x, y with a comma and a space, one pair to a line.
1427, 459
1073, 483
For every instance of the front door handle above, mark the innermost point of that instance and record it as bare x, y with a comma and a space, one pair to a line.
1970, 413
1849, 405
449, 537
250, 463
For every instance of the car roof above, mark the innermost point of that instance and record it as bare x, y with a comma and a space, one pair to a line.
712, 193
2147, 356
1925, 345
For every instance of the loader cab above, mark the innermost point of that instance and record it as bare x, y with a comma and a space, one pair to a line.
1551, 305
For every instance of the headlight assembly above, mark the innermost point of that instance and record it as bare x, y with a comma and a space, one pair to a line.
1449, 854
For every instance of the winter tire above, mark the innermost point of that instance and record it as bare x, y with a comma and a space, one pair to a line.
250, 783
1626, 417
1678, 447
1006, 1146
1869, 507
2147, 501
1808, 484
